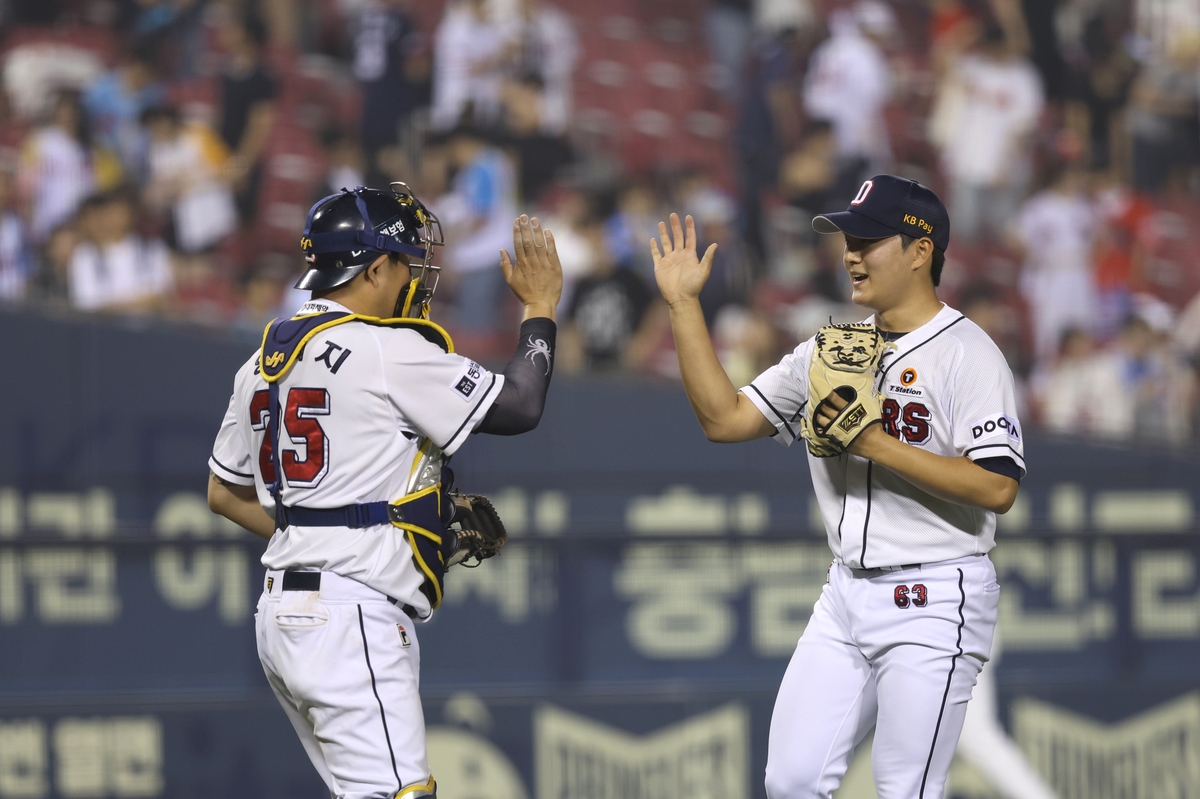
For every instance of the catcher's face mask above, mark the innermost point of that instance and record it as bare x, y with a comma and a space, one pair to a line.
414, 301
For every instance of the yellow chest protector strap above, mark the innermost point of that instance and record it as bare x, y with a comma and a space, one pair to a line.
283, 340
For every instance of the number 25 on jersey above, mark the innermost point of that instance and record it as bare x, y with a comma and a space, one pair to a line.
301, 412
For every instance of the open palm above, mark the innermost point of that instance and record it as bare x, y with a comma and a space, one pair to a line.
535, 276
680, 274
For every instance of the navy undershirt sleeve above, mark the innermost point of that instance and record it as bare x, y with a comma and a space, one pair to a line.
1005, 466
519, 407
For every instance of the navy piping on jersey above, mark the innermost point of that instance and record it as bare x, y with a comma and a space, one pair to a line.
988, 446
901, 357
386, 735
471, 415
862, 556
775, 411
231, 471
962, 621
843, 516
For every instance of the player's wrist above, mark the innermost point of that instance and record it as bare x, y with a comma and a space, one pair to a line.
872, 442
683, 303
537, 309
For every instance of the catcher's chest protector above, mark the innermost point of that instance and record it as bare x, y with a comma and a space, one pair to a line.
356, 399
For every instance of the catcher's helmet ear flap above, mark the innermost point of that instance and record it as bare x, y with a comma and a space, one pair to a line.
413, 297
347, 231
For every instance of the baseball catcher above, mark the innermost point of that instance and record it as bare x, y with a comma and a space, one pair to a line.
344, 423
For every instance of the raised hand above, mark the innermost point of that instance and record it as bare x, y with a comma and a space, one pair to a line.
679, 272
536, 277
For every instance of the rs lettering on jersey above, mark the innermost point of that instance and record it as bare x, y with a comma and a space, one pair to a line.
909, 422
993, 423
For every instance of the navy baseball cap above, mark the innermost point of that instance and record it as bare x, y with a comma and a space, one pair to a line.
887, 205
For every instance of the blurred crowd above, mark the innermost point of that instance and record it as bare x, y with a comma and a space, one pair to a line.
158, 157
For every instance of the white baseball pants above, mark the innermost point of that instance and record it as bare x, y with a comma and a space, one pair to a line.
344, 663
898, 650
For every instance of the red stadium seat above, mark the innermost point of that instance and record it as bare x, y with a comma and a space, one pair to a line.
94, 38
642, 85
294, 168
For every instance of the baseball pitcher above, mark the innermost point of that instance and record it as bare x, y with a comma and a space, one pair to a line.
914, 446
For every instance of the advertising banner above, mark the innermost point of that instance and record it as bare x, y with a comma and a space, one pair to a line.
627, 643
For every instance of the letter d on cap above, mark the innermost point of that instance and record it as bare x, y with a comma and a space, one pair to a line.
863, 192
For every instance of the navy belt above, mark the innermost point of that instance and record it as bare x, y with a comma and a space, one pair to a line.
311, 581
301, 581
366, 515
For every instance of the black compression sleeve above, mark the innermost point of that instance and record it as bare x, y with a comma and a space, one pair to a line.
518, 409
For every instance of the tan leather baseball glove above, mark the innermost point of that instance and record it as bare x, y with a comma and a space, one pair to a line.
845, 362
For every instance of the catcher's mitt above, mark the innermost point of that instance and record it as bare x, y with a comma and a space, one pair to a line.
845, 361
479, 533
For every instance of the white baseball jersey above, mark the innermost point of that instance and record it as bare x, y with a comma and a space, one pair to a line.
356, 405
948, 390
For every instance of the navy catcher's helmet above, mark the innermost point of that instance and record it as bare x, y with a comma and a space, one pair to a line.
346, 232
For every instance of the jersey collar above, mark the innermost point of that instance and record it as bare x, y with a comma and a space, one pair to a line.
943, 319
313, 307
